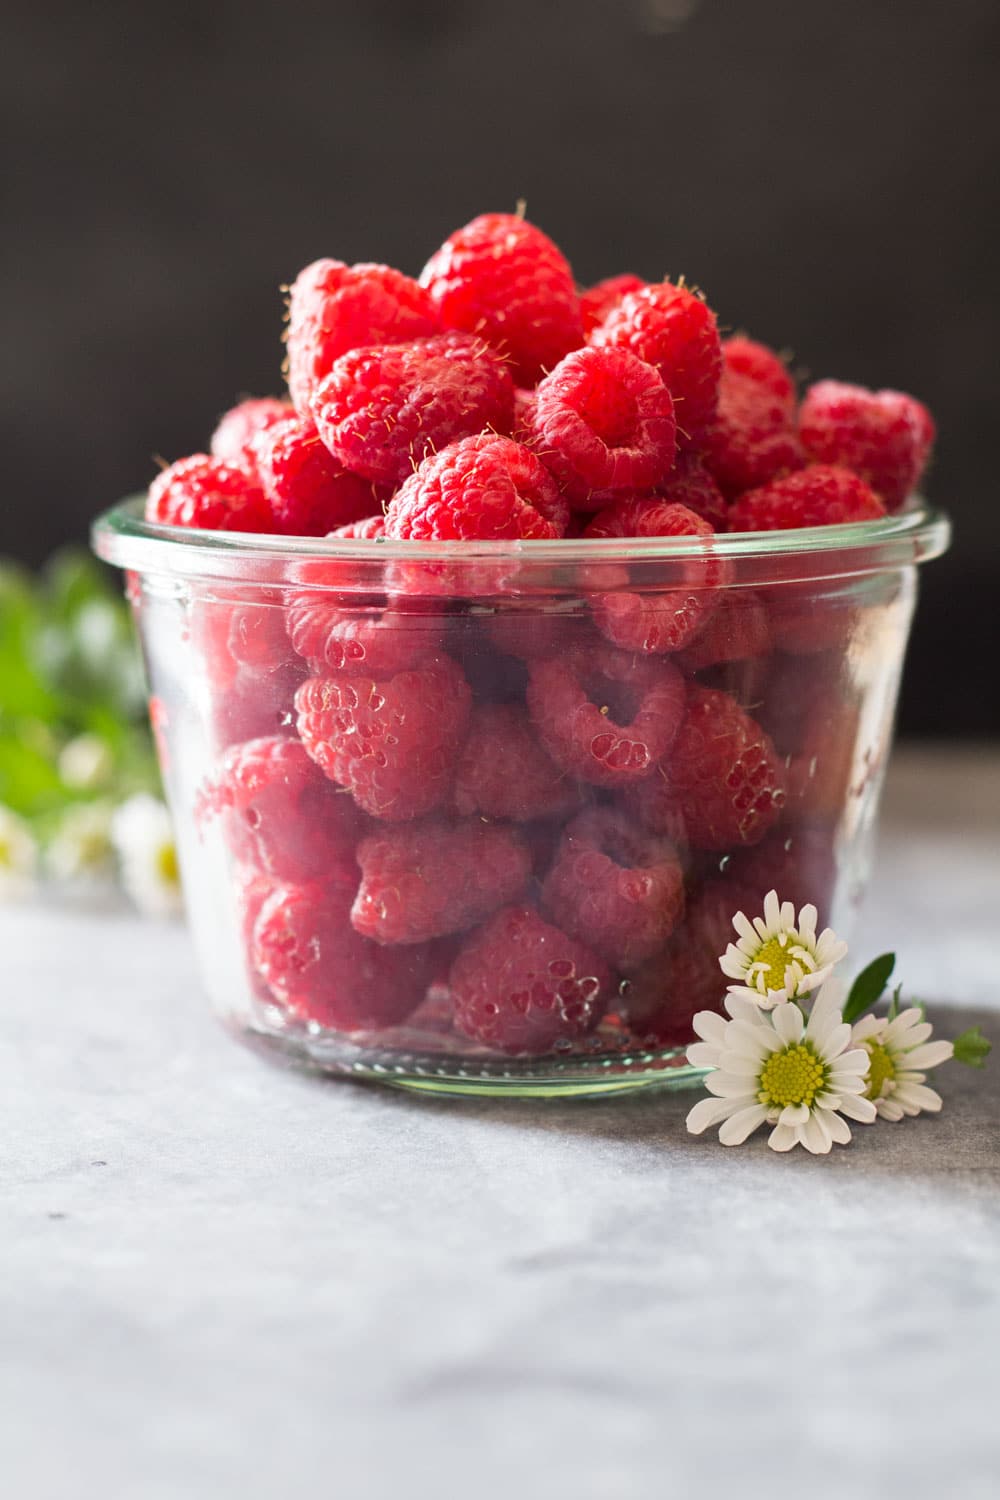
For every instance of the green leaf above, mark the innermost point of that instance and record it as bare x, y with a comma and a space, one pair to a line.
972, 1048
867, 989
894, 1002
29, 782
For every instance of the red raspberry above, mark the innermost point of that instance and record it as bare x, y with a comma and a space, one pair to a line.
503, 772
381, 411
230, 635
615, 886
238, 427
322, 971
818, 496
431, 879
211, 493
361, 640
654, 623
738, 630
523, 987
691, 485
392, 741
723, 780
752, 439
883, 436
758, 363
671, 328
309, 491
598, 300
797, 862
280, 814
660, 1001
371, 529
505, 280
604, 424
478, 489
334, 308
605, 716
529, 631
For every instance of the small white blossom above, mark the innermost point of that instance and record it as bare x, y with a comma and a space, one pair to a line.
899, 1050
18, 856
774, 1067
144, 839
86, 762
778, 957
81, 850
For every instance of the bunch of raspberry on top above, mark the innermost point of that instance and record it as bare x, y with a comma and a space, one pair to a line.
509, 821
492, 399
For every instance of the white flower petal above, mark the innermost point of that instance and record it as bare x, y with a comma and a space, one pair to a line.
839, 1129
930, 1055
704, 1055
868, 1026
794, 1114
789, 1024
706, 1113
725, 1085
903, 1023
709, 1026
915, 1097
815, 1135
782, 1138
857, 1107
736, 1129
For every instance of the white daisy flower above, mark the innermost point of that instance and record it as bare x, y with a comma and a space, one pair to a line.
144, 839
774, 1067
778, 957
18, 856
81, 849
898, 1051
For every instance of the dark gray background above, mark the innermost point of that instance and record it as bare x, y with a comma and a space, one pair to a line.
826, 172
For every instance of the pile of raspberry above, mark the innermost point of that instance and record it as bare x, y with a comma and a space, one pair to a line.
519, 825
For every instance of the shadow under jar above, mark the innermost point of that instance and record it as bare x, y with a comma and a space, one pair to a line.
475, 818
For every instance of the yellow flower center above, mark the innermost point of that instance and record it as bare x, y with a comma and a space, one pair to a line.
881, 1069
770, 964
6, 854
166, 864
792, 1076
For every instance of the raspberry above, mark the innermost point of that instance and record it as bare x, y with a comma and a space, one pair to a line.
392, 741
334, 308
427, 880
523, 987
615, 886
756, 362
752, 439
598, 300
369, 530
238, 427
691, 485
738, 630
322, 971
799, 863
660, 1000
525, 402
883, 436
671, 328
723, 781
230, 635
359, 641
652, 623
820, 495
479, 489
309, 491
604, 424
280, 814
529, 631
381, 411
505, 280
605, 716
503, 772
211, 493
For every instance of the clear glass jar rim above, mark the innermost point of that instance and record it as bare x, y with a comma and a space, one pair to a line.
123, 537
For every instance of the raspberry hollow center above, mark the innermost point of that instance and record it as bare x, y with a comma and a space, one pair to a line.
610, 412
792, 1076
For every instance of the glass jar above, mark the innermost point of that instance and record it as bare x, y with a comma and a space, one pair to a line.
475, 818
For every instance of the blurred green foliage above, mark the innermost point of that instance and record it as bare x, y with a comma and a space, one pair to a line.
69, 666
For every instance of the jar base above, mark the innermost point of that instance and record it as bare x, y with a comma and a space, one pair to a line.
514, 1078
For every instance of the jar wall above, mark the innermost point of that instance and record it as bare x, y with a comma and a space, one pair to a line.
488, 842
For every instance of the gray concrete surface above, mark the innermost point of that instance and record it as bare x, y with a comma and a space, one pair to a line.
218, 1279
